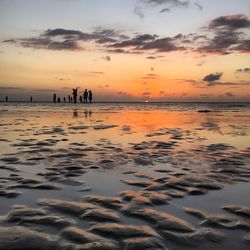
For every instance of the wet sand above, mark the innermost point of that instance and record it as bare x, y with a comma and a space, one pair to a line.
124, 176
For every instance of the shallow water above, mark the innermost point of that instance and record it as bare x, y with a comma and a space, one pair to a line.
109, 148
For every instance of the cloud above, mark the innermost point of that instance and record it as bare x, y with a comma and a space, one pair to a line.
63, 39
138, 11
137, 41
232, 22
3, 88
101, 32
171, 3
164, 10
96, 72
107, 58
141, 4
244, 70
233, 84
199, 6
103, 86
146, 94
243, 46
222, 36
150, 76
212, 77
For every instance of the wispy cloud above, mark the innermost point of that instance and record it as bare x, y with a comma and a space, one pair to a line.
244, 70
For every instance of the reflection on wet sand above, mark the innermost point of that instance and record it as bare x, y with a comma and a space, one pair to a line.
124, 178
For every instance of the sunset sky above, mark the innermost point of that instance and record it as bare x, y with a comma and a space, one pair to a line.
126, 50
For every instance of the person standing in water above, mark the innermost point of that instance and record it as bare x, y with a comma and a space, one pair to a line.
90, 96
54, 98
85, 96
6, 98
31, 99
75, 95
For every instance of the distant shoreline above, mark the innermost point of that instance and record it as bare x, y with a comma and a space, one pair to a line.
102, 102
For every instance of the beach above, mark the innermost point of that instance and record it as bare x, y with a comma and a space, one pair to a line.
125, 176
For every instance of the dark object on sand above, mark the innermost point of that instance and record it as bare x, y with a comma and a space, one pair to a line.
204, 111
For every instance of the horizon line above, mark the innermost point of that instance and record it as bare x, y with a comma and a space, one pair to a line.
145, 102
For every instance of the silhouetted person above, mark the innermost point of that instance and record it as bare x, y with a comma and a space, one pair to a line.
85, 96
75, 95
6, 98
90, 96
69, 98
31, 99
58, 99
54, 98
80, 98
64, 99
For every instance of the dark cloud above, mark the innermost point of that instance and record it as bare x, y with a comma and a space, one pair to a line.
3, 88
212, 77
221, 43
233, 84
62, 39
223, 35
164, 10
171, 3
199, 6
96, 72
244, 70
167, 4
243, 46
232, 22
139, 12
137, 41
160, 45
107, 58
62, 32
150, 76
101, 32
103, 86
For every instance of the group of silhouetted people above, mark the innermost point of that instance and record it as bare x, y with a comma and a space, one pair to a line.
85, 98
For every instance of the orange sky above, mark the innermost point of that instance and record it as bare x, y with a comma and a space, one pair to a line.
163, 68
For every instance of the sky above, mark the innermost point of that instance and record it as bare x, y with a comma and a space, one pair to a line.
125, 50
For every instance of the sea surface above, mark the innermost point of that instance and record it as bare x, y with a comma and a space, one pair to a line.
181, 170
